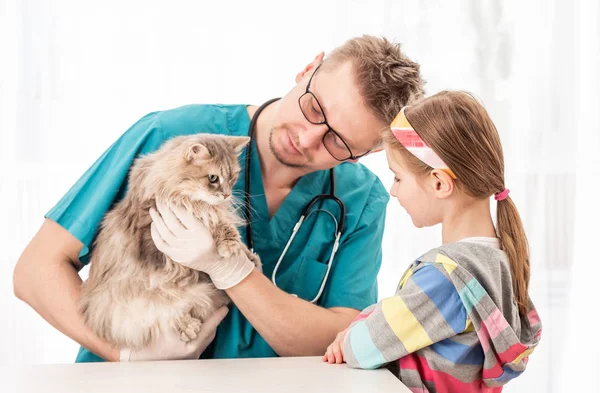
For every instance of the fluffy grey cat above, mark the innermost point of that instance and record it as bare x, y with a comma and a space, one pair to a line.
134, 291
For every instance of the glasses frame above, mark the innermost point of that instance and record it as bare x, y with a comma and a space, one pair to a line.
351, 155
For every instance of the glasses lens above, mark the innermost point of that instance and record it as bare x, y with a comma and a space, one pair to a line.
336, 146
311, 109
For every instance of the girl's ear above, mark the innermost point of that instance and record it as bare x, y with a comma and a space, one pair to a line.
442, 183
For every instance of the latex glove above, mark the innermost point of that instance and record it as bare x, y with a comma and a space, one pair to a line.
182, 237
170, 347
178, 234
335, 350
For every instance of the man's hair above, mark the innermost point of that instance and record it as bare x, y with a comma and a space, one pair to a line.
387, 79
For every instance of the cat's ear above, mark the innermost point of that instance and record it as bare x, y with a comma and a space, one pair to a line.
197, 151
238, 143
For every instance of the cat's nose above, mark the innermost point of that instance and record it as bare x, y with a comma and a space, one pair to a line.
225, 196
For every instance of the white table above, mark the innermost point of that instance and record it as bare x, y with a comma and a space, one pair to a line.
281, 375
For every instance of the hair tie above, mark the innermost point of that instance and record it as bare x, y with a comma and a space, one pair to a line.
500, 196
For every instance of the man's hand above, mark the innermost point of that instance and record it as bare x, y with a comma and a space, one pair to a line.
170, 347
178, 234
182, 237
335, 350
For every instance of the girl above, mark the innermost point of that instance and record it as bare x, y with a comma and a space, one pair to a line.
461, 320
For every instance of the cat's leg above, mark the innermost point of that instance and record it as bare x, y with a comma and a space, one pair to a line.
188, 327
252, 256
205, 299
198, 301
227, 239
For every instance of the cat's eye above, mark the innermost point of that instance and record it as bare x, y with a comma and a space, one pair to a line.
213, 178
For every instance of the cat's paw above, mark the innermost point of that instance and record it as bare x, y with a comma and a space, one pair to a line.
188, 328
191, 331
254, 258
228, 247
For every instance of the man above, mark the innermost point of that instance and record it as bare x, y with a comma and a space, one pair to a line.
329, 119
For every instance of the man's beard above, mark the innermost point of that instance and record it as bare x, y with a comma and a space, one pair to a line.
279, 157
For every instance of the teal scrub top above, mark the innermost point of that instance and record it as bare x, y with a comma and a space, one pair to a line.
352, 281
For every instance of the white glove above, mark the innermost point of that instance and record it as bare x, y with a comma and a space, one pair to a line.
178, 234
170, 347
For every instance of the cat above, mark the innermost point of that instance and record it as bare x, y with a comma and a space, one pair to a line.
134, 291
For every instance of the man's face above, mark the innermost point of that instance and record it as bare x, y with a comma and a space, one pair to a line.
296, 142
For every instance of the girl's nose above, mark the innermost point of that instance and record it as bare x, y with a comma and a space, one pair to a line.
393, 190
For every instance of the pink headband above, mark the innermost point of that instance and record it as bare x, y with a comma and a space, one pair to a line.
408, 137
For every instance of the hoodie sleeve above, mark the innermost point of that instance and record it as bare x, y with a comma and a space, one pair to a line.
426, 309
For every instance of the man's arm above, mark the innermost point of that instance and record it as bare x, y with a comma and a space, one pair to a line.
46, 277
291, 326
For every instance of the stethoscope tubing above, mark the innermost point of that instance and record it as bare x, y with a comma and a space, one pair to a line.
306, 212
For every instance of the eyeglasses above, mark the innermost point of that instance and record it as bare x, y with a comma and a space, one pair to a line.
313, 112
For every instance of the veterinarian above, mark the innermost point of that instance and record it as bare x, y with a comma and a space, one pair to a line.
353, 94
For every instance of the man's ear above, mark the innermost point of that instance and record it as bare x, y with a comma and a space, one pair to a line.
311, 66
442, 183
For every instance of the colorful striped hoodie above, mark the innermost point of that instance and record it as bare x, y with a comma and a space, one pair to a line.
453, 325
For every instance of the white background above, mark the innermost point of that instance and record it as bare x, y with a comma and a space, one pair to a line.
74, 75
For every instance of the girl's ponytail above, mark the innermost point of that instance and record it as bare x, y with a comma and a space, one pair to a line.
512, 235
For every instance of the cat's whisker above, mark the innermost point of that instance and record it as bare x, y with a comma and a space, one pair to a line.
238, 204
244, 193
242, 196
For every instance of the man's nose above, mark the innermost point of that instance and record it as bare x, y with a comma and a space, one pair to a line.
312, 136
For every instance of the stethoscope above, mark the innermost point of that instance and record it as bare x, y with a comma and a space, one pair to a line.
306, 212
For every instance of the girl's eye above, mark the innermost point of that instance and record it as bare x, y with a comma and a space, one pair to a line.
213, 178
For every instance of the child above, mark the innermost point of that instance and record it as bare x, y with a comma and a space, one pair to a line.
461, 320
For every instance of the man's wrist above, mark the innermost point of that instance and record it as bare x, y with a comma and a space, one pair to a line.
123, 355
238, 269
112, 354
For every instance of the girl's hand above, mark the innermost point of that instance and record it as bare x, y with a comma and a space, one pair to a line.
335, 351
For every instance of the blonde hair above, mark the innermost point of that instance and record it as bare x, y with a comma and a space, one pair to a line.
387, 79
458, 128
